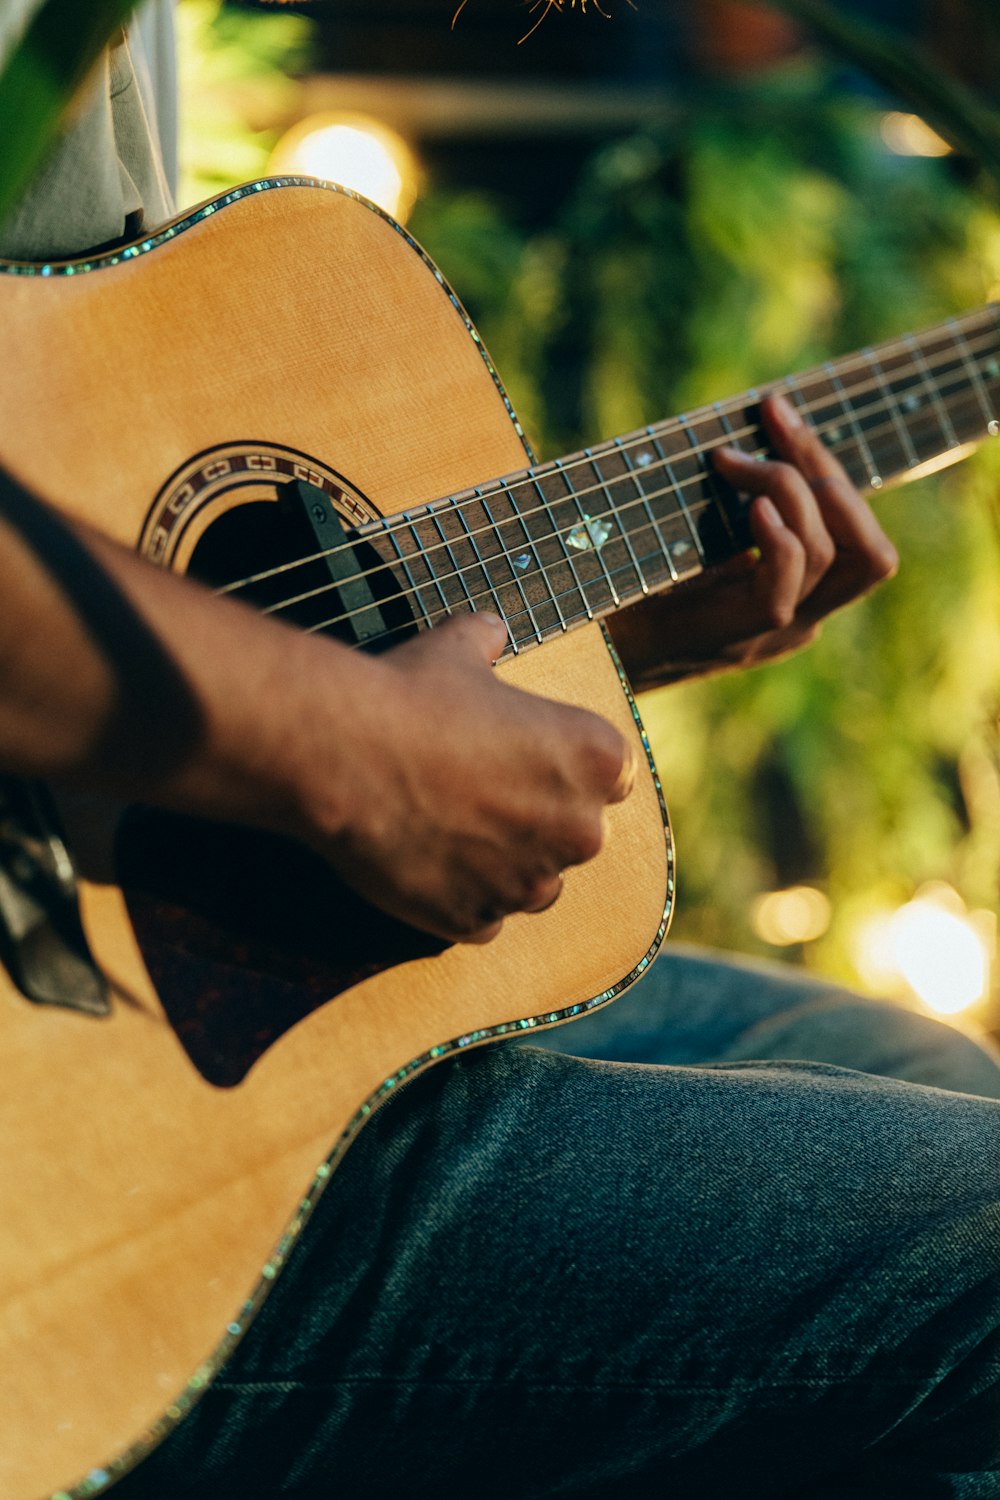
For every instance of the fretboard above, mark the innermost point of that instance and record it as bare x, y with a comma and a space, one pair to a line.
553, 546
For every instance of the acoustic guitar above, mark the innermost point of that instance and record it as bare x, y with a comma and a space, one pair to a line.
279, 394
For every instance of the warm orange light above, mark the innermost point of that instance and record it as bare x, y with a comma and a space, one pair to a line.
356, 152
941, 950
796, 915
909, 135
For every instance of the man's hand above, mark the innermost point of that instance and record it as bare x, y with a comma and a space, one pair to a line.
466, 798
818, 545
443, 795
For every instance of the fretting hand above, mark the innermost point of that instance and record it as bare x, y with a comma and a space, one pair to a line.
818, 546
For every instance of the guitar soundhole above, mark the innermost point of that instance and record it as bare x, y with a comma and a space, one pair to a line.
270, 538
243, 933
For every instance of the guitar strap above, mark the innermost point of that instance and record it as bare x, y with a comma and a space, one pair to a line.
42, 943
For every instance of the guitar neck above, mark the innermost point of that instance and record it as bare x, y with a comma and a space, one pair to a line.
573, 540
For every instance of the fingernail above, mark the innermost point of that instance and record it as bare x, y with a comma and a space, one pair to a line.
770, 512
789, 412
730, 451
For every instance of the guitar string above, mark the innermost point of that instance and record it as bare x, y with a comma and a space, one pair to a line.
658, 432
687, 511
515, 646
417, 591
414, 590
534, 475
444, 609
501, 487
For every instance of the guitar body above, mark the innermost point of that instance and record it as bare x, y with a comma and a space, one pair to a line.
157, 1163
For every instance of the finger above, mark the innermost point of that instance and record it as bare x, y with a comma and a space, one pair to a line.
486, 933
780, 579
849, 519
626, 776
482, 634
792, 497
546, 897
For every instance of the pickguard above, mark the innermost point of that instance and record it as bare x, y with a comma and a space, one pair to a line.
245, 933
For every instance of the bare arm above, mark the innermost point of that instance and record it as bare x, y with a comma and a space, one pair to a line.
118, 676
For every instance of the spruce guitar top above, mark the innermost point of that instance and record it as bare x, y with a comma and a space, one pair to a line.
280, 395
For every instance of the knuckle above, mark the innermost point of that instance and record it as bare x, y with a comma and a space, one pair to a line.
588, 842
780, 614
482, 935
885, 562
611, 754
534, 890
824, 553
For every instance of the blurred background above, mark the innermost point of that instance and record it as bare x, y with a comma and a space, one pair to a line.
646, 207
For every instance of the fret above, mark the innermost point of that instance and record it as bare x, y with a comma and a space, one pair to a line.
682, 470
469, 533
908, 453
592, 533
615, 511
391, 526
645, 560
873, 478
644, 457
723, 527
511, 558
912, 408
457, 569
931, 386
425, 546
971, 365
684, 550
548, 572
480, 538
707, 489
818, 402
729, 431
578, 584
958, 393
582, 537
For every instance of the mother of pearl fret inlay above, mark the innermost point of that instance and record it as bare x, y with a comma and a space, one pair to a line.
561, 543
588, 534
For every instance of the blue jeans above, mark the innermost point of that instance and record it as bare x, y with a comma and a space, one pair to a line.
701, 1267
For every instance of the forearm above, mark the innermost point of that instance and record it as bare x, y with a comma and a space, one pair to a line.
119, 676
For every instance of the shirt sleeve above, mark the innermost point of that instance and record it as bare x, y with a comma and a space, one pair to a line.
105, 176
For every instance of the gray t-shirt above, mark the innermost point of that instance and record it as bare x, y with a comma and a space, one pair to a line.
111, 173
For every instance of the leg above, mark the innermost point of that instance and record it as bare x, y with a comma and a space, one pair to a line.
696, 1007
536, 1275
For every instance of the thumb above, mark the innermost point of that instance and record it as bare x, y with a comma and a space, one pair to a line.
482, 636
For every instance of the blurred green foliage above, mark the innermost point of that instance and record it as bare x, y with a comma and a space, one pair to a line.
757, 231
910, 70
236, 70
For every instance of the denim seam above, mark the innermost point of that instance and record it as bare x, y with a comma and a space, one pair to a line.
260, 1387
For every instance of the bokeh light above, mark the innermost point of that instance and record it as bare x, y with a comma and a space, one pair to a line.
909, 135
355, 151
799, 914
939, 949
